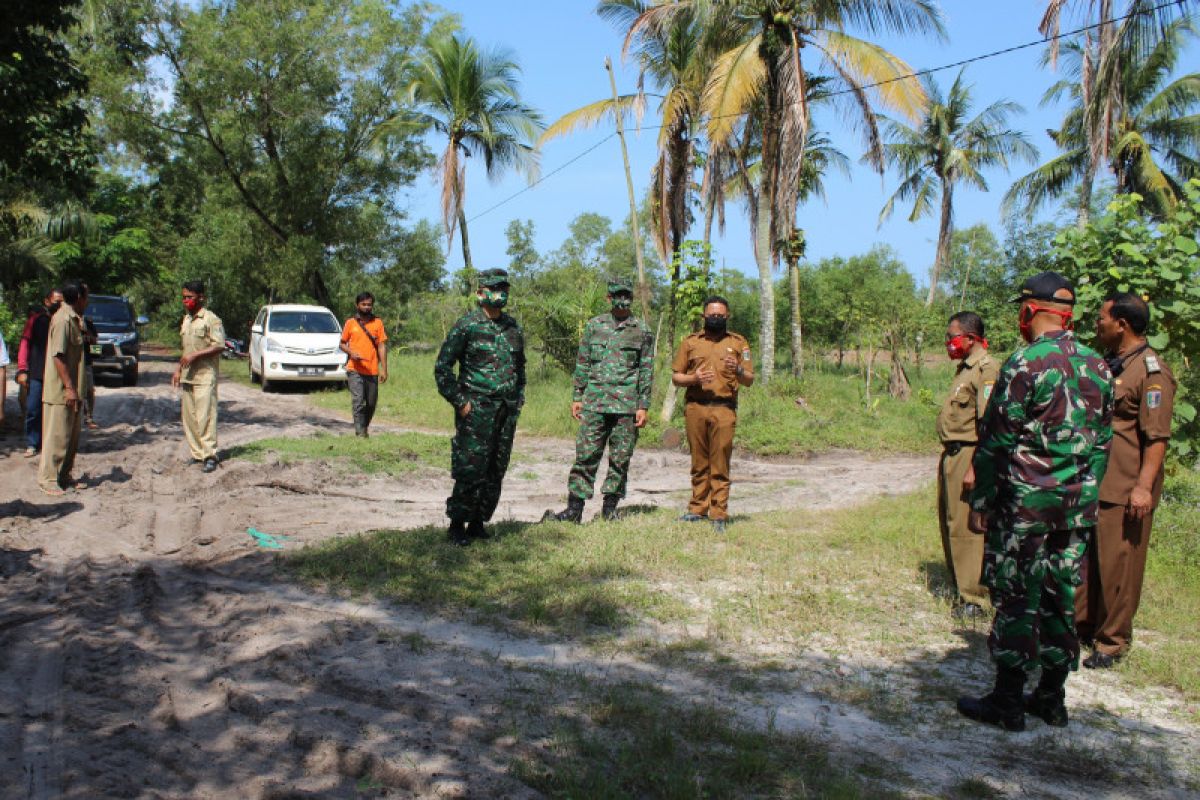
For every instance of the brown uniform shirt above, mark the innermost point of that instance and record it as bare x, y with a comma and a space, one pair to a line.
698, 350
65, 338
200, 332
969, 394
1145, 397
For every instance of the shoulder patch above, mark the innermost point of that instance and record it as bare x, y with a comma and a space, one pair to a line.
1152, 364
987, 389
1154, 397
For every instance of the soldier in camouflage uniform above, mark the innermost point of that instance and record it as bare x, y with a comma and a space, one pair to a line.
487, 395
613, 375
1043, 449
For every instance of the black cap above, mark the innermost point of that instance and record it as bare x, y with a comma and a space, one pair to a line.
493, 277
1044, 286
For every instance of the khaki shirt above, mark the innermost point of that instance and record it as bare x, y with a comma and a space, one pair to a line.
698, 350
968, 397
200, 332
65, 338
1145, 397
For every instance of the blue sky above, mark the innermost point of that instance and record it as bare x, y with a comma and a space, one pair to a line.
561, 46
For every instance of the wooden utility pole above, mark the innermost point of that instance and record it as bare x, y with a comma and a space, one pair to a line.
643, 288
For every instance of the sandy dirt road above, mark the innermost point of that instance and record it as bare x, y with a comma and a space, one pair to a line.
147, 648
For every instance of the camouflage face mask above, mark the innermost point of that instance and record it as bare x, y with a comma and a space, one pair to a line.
622, 302
494, 298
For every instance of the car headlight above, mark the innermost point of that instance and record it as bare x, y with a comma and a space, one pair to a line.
273, 346
123, 338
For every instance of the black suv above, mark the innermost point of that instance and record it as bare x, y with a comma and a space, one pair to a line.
120, 344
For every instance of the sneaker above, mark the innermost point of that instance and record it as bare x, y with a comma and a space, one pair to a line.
31, 452
690, 517
1100, 660
210, 465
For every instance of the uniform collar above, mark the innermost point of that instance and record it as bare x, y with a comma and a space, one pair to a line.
198, 315
974, 357
70, 309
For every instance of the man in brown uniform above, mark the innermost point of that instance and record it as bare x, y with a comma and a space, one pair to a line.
203, 338
62, 383
956, 423
713, 364
1144, 391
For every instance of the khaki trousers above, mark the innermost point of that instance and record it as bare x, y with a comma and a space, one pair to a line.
963, 549
198, 408
710, 438
60, 442
1112, 581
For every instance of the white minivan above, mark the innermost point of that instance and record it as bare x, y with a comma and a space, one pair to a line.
295, 343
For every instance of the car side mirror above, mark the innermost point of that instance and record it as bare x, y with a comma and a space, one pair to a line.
256, 329
142, 320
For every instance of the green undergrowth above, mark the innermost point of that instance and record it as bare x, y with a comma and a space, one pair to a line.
381, 454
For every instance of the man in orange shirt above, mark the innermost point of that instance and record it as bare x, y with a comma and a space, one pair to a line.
713, 364
363, 339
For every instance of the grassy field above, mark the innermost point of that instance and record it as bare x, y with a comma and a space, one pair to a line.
834, 413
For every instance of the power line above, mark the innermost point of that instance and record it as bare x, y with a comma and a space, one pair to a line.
876, 84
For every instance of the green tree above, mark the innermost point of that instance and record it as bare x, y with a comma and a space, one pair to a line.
948, 148
472, 98
265, 149
522, 253
1121, 251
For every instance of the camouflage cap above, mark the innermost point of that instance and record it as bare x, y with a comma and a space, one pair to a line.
1046, 286
493, 277
618, 285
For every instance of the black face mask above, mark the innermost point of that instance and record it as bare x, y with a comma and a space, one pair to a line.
53, 308
715, 324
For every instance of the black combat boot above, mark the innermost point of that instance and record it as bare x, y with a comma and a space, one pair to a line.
457, 533
1003, 707
573, 512
475, 530
609, 510
1047, 700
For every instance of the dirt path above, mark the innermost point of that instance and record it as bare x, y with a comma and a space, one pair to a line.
146, 649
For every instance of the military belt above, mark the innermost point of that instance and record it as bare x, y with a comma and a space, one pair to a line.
953, 448
717, 401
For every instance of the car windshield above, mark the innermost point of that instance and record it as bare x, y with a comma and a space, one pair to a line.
108, 311
303, 322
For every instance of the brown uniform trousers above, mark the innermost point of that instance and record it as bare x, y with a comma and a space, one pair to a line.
1108, 598
198, 383
60, 424
711, 417
956, 427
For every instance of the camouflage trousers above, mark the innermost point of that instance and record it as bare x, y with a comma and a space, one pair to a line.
1032, 577
619, 432
479, 457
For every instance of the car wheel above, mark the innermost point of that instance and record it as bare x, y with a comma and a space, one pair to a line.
262, 376
254, 377
129, 376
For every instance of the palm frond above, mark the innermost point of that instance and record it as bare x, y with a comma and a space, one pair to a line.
735, 82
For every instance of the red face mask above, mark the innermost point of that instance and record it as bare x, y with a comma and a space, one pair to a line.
959, 347
192, 304
1025, 320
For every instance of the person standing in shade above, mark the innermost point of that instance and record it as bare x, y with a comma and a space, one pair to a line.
203, 338
1145, 398
364, 341
91, 339
1043, 448
713, 364
62, 383
3, 377
956, 428
610, 396
31, 367
487, 395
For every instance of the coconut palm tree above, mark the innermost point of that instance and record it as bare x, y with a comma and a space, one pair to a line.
765, 71
472, 98
948, 148
1152, 143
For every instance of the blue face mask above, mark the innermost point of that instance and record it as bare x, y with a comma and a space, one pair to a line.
494, 298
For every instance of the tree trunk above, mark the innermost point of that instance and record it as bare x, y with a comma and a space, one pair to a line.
643, 288
945, 229
466, 242
1084, 212
797, 331
898, 385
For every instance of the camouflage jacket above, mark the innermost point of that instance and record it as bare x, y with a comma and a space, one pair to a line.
491, 359
1044, 438
614, 368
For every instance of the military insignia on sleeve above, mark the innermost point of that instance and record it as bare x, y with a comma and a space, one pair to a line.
1152, 364
1154, 398
746, 354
